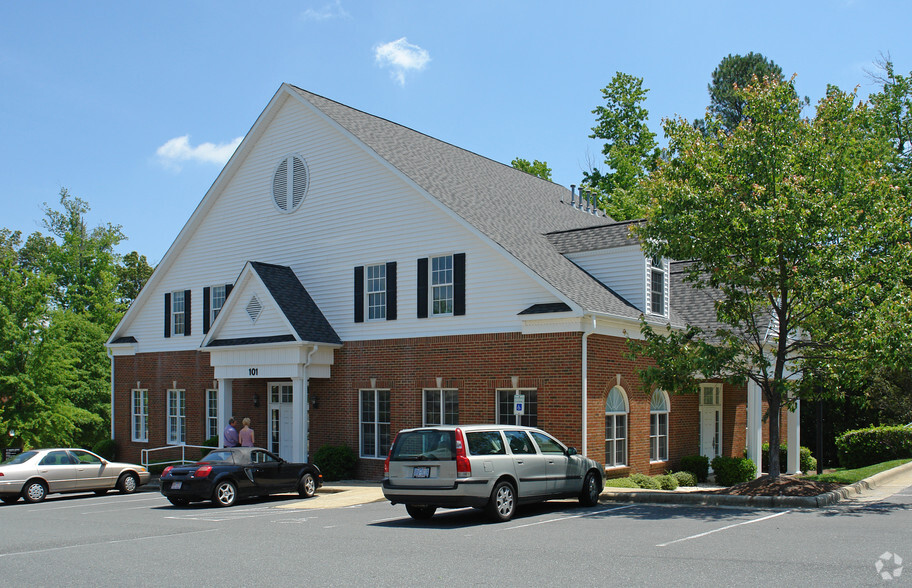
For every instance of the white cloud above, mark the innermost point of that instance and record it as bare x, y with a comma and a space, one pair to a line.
178, 150
326, 12
401, 57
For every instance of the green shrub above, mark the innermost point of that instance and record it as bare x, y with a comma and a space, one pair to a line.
698, 465
806, 461
337, 462
620, 483
685, 478
864, 447
733, 470
646, 482
667, 482
211, 441
106, 448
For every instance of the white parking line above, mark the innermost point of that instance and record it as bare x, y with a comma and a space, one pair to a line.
698, 535
112, 542
89, 502
567, 518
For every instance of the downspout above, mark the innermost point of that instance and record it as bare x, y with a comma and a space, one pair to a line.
588, 330
110, 355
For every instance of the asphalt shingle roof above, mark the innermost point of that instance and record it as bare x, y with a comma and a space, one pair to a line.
514, 209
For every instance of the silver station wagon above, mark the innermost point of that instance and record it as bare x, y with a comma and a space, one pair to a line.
494, 467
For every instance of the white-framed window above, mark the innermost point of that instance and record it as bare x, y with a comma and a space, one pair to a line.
374, 417
657, 286
376, 291
212, 426
177, 417
505, 415
616, 410
217, 295
658, 426
441, 407
140, 412
442, 285
177, 312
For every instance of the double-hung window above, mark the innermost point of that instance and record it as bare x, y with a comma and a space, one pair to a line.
616, 410
376, 292
505, 413
657, 286
442, 285
375, 422
658, 427
177, 417
212, 428
140, 411
178, 307
441, 407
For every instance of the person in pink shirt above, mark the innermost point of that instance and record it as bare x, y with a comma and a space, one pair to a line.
246, 434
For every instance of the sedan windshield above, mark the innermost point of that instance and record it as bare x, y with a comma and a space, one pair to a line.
21, 458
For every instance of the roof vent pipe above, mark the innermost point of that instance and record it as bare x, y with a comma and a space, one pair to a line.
589, 201
572, 194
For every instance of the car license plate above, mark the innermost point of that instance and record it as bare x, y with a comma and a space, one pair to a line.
422, 472
176, 485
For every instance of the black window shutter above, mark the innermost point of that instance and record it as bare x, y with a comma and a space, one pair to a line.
228, 288
459, 284
206, 312
168, 314
391, 291
423, 287
187, 322
359, 294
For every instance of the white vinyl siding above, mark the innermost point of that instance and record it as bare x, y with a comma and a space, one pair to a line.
321, 244
619, 268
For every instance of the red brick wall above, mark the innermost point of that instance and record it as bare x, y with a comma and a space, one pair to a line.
476, 365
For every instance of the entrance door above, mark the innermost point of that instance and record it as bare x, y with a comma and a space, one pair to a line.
281, 420
711, 420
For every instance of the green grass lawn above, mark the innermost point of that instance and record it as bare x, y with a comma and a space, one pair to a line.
844, 476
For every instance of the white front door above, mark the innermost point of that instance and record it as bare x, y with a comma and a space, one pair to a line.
281, 419
711, 420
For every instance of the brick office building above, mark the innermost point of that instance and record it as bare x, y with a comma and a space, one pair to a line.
346, 277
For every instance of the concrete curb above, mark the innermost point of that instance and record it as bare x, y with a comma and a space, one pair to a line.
699, 498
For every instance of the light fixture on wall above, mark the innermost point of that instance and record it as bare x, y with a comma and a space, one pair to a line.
312, 398
256, 399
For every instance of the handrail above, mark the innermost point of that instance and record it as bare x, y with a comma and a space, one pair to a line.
144, 454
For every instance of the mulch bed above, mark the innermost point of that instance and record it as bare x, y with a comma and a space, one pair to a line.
780, 486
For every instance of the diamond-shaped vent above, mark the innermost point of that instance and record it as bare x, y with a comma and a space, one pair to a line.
254, 308
290, 182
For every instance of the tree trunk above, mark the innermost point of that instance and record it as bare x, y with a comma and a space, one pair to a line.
774, 412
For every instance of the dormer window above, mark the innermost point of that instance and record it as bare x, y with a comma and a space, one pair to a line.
657, 286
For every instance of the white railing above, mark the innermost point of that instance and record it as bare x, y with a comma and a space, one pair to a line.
182, 449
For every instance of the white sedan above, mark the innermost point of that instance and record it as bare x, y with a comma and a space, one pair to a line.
34, 474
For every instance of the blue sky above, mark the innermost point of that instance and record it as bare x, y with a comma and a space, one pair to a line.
135, 107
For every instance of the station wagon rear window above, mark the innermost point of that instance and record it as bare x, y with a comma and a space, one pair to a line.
424, 445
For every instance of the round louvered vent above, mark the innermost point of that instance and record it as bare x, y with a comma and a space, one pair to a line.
289, 184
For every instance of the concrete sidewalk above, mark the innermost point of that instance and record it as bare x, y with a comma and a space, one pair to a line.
877, 487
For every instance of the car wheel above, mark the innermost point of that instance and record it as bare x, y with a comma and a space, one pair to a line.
590, 493
178, 501
503, 502
101, 492
225, 493
34, 491
127, 484
420, 512
9, 499
307, 487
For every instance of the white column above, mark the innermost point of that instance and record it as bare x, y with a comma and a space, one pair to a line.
224, 408
299, 411
794, 439
754, 426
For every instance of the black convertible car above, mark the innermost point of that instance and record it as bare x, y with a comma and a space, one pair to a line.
227, 474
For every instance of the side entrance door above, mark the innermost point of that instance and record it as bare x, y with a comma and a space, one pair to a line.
711, 420
280, 419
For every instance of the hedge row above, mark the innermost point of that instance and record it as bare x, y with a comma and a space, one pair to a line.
733, 470
864, 447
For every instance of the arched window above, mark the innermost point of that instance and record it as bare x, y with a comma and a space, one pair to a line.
658, 426
616, 410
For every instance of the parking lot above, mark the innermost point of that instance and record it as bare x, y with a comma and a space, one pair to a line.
141, 539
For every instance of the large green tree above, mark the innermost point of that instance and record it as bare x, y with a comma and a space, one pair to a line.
536, 167
734, 72
798, 229
630, 148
